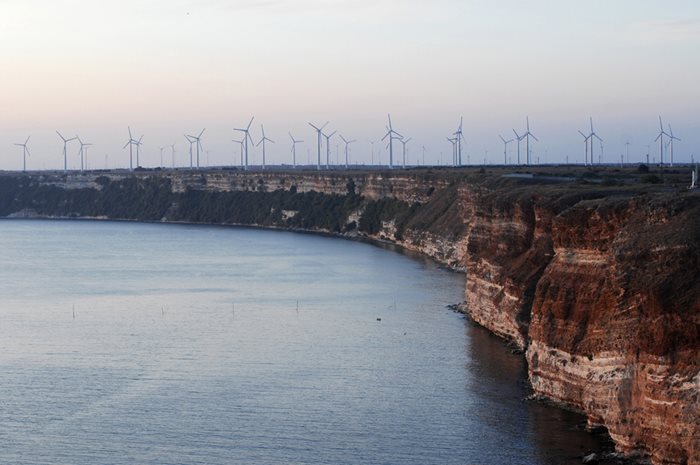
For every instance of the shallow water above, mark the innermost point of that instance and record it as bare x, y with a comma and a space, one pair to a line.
126, 343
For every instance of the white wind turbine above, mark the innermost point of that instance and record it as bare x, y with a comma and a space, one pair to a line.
191, 141
240, 143
347, 146
590, 138
83, 152
671, 138
328, 147
526, 136
392, 135
65, 151
453, 141
460, 138
131, 142
319, 133
172, 147
197, 139
246, 138
294, 149
505, 148
262, 141
661, 135
25, 153
404, 142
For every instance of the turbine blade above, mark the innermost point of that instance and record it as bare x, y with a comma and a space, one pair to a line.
200, 134
251, 122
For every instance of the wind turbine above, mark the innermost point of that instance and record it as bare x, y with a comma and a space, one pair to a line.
246, 138
240, 142
25, 152
82, 152
527, 136
65, 152
191, 141
294, 149
319, 132
172, 147
505, 148
661, 135
161, 157
199, 143
519, 139
671, 139
391, 134
347, 145
591, 136
130, 143
262, 141
404, 142
328, 147
586, 139
460, 137
454, 150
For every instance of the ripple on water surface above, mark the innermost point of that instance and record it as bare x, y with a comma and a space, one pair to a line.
187, 347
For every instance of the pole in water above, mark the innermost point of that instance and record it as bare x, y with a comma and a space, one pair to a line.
394, 305
74, 311
162, 311
233, 310
297, 307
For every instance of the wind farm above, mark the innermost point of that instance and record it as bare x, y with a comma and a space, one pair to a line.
665, 139
477, 243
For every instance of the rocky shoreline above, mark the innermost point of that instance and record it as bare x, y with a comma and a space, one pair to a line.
597, 285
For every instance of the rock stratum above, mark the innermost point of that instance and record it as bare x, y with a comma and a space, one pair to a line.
598, 284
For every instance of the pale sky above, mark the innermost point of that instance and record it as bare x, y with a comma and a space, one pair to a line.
171, 67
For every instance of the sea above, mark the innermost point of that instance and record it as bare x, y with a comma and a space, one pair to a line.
130, 343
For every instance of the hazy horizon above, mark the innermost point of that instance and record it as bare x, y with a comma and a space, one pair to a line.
169, 68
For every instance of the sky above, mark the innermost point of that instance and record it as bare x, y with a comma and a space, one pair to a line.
169, 68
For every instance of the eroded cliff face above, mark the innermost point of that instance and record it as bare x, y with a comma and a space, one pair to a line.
600, 286
615, 322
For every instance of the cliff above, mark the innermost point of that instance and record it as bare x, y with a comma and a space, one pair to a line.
597, 284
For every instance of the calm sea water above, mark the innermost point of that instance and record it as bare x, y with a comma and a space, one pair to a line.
128, 343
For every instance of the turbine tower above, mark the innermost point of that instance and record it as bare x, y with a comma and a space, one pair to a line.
172, 147
191, 141
460, 137
391, 134
527, 136
519, 139
262, 141
586, 139
82, 152
328, 147
505, 148
25, 152
404, 142
670, 143
453, 141
347, 146
319, 132
246, 138
240, 142
591, 136
65, 151
661, 135
294, 149
199, 143
131, 143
